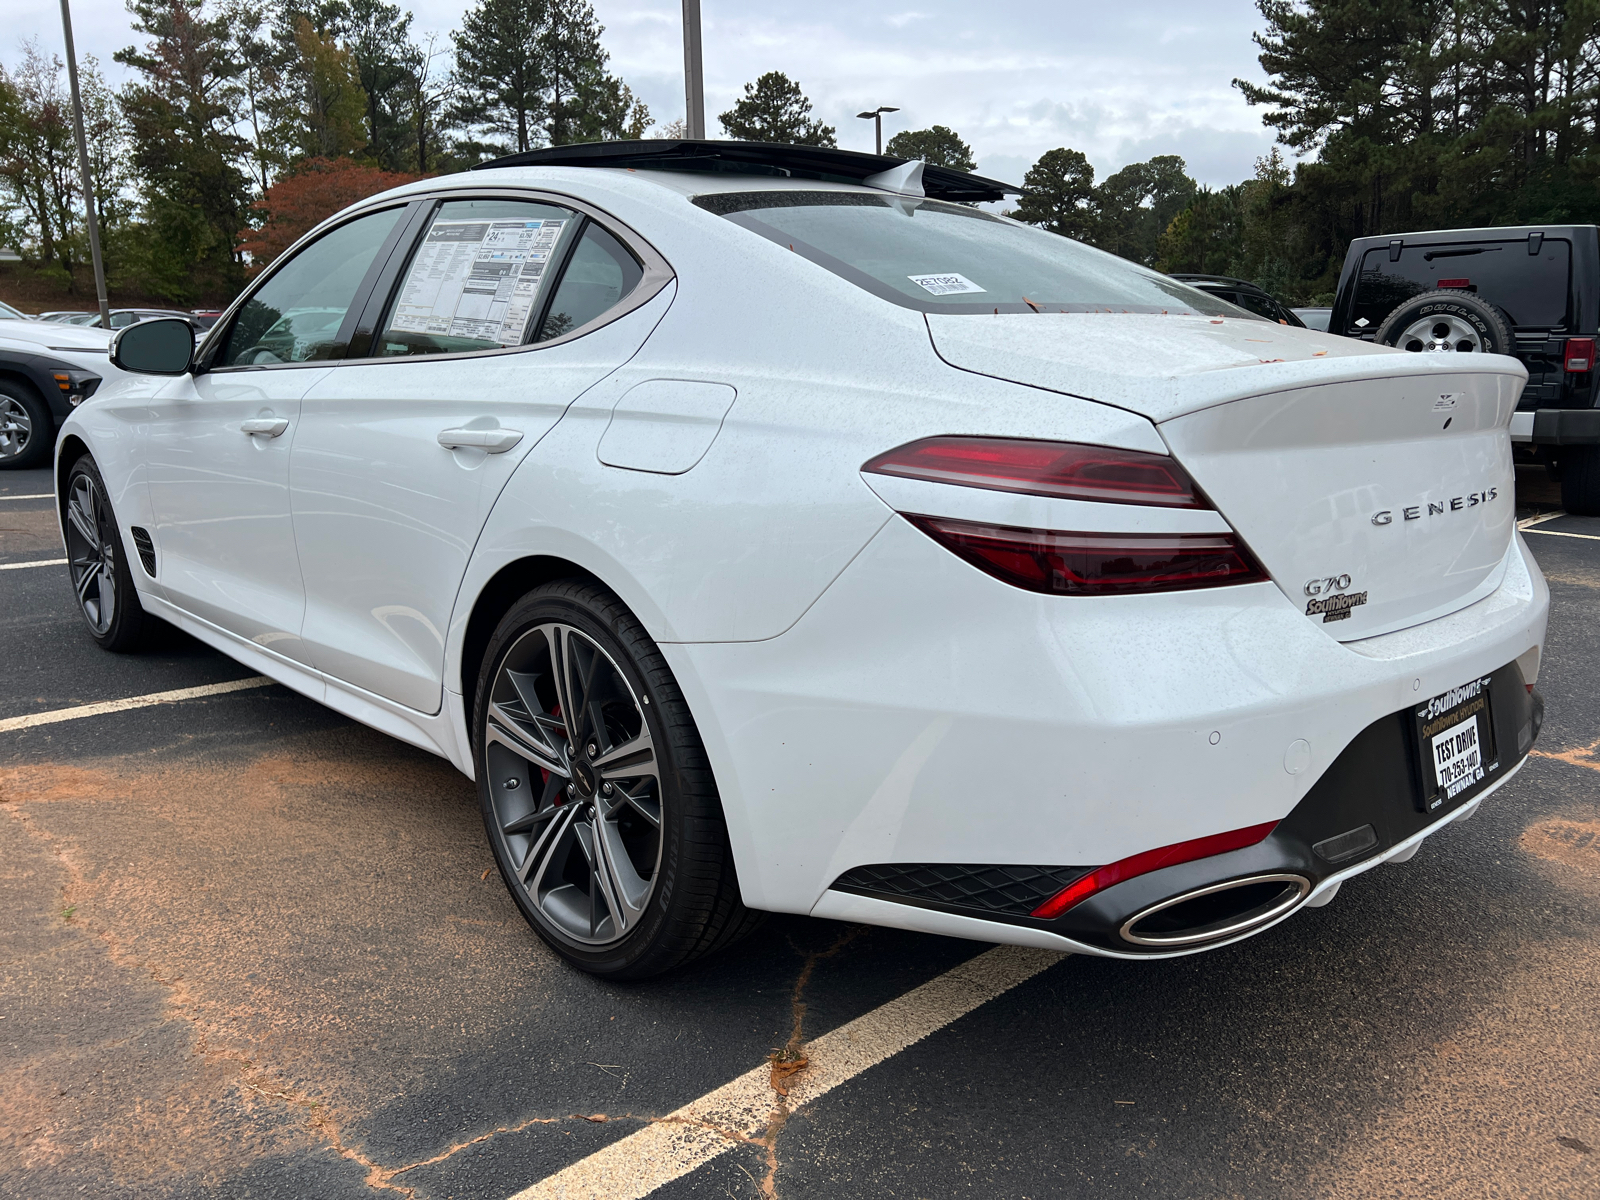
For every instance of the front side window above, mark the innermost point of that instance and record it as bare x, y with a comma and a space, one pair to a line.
946, 258
477, 278
297, 314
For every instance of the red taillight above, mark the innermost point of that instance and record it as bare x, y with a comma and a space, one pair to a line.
1455, 283
1580, 354
1062, 469
1095, 564
1150, 860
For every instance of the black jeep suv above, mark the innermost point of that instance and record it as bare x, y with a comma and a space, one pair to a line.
1532, 292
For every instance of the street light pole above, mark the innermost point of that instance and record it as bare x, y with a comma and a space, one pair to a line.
83, 169
694, 88
875, 116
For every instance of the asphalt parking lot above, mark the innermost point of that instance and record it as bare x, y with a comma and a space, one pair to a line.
248, 948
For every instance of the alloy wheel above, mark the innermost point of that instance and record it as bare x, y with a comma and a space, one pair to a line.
16, 428
91, 552
1441, 334
574, 784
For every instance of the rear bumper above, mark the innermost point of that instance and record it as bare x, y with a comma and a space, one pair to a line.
1363, 811
924, 713
1557, 427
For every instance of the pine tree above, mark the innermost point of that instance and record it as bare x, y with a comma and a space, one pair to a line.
500, 65
774, 109
182, 111
1136, 204
938, 146
1059, 195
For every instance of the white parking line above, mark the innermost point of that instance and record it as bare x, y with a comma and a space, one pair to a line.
38, 562
111, 706
40, 496
1530, 522
674, 1145
1592, 537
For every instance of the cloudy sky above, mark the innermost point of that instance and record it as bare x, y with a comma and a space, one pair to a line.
1119, 83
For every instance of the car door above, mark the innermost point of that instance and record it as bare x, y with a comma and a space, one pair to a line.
504, 311
218, 442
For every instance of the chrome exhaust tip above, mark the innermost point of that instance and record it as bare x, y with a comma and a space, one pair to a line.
1219, 911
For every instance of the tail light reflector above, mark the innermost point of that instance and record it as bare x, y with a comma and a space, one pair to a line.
1580, 354
1150, 860
1095, 564
1066, 470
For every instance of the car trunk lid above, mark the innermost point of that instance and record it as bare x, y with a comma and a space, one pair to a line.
1375, 488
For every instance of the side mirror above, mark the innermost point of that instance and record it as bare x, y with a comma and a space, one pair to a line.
163, 346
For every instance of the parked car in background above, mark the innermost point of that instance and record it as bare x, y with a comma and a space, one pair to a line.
63, 316
790, 535
1532, 292
121, 318
204, 318
46, 370
7, 313
1245, 294
1314, 318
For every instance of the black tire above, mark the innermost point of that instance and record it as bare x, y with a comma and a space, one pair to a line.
546, 845
102, 583
1483, 328
1580, 480
27, 430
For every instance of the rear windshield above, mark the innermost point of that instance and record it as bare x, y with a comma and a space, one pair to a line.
940, 257
1530, 288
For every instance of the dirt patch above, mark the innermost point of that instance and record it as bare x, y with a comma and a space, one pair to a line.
1581, 756
1577, 578
1573, 844
30, 533
1499, 1109
308, 934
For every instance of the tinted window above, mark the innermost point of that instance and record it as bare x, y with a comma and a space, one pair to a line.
600, 273
940, 257
295, 316
476, 278
1531, 288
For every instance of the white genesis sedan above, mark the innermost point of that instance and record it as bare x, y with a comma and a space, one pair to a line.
771, 529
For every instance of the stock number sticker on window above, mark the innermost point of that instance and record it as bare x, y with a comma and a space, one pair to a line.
1457, 743
944, 285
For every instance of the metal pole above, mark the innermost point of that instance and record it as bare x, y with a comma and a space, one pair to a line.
694, 87
83, 169
877, 124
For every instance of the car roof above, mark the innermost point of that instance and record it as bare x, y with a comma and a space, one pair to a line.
755, 160
1508, 233
1228, 280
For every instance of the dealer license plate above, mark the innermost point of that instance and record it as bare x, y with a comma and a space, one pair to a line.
1456, 739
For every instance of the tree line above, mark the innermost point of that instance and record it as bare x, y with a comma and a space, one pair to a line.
1409, 115
229, 101
243, 124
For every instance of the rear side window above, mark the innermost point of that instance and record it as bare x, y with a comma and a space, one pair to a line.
1530, 288
939, 257
600, 273
477, 277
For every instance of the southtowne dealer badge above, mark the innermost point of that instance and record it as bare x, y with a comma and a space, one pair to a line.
1330, 600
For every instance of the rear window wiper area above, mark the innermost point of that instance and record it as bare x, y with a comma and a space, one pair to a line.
1433, 254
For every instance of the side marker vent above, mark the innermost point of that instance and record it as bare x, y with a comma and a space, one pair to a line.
146, 548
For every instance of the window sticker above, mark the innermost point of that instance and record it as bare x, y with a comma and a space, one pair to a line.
945, 285
477, 279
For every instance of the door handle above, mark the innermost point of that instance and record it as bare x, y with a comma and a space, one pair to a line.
492, 441
271, 426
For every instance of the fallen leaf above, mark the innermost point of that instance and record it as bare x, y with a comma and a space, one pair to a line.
782, 1069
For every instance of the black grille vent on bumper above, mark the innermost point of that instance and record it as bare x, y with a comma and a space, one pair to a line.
1016, 891
146, 548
